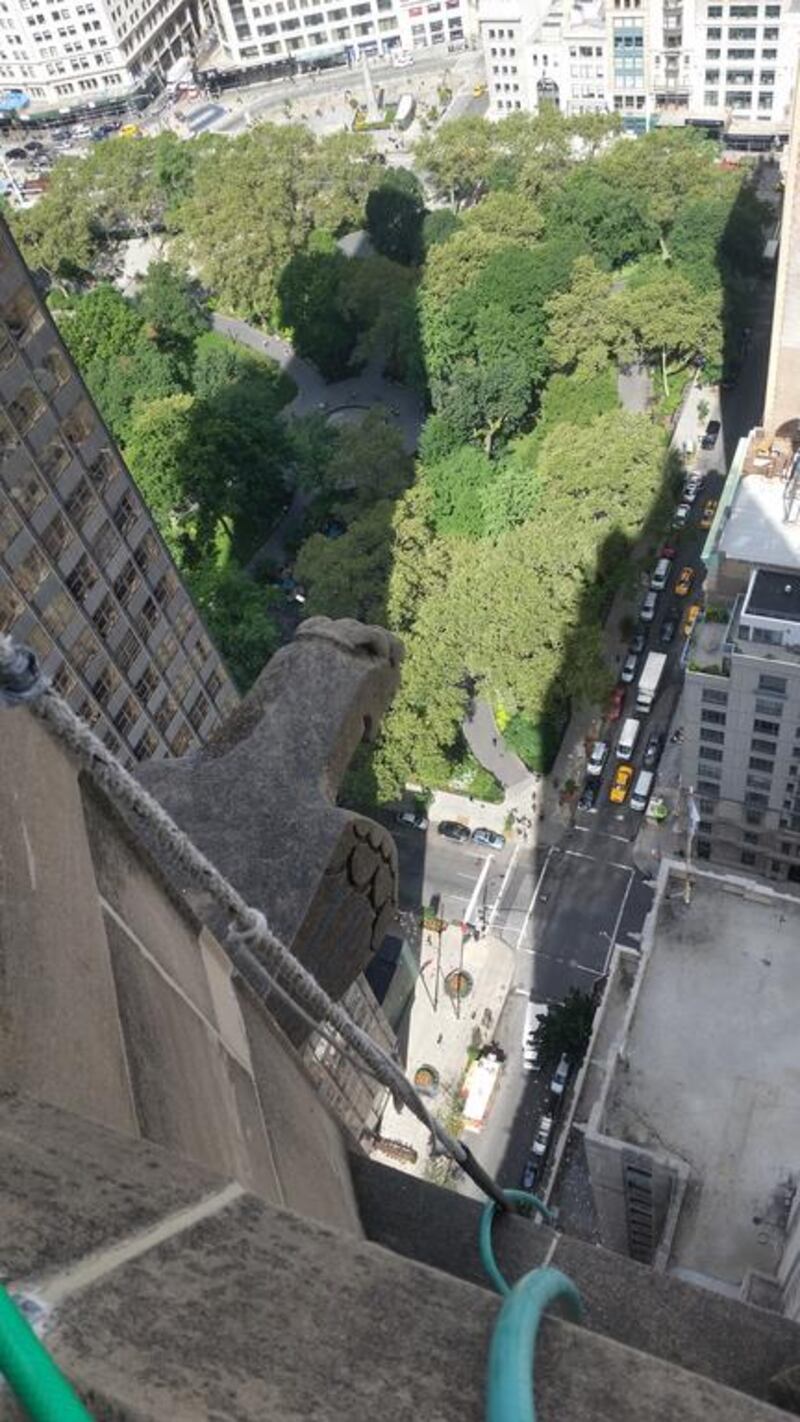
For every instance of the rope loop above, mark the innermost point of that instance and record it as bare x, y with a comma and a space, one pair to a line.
525, 1203
20, 677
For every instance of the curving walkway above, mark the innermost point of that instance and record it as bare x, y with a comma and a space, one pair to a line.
313, 391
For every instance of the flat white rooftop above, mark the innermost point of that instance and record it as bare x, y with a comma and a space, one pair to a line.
757, 530
712, 1068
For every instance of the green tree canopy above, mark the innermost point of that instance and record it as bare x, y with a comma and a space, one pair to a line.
395, 210
349, 576
458, 486
100, 324
171, 308
566, 1030
369, 459
240, 616
457, 158
583, 321
604, 217
309, 292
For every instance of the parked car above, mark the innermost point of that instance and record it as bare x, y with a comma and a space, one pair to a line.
598, 758
684, 581
529, 1174
623, 775
628, 673
648, 609
670, 550
680, 518
402, 59
711, 435
692, 614
16, 155
560, 1075
653, 750
691, 488
489, 838
542, 1138
589, 794
638, 640
451, 829
413, 818
616, 702
709, 510
669, 627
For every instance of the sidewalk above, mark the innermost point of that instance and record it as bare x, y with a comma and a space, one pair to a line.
441, 1031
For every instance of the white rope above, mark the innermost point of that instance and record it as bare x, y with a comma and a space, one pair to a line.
20, 680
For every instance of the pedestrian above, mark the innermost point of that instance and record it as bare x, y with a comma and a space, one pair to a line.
494, 740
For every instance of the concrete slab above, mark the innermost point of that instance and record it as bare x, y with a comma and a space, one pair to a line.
712, 1069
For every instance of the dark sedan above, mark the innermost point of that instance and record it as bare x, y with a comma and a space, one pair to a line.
653, 749
711, 435
669, 627
451, 829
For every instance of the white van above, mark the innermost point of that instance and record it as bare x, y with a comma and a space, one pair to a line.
534, 1012
660, 575
641, 790
627, 738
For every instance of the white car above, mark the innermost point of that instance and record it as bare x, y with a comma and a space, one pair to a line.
542, 1138
413, 818
682, 514
598, 758
560, 1075
648, 609
629, 666
402, 60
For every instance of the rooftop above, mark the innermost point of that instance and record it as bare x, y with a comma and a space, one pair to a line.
695, 1079
774, 595
757, 530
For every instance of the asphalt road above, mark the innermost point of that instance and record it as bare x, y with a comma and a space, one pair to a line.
562, 908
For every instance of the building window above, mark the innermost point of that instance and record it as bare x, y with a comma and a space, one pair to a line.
31, 572
10, 525
199, 711
11, 605
715, 737
127, 716
165, 588
750, 838
105, 685
125, 515
105, 615
57, 536
77, 425
759, 745
769, 708
147, 616
146, 553
713, 718
63, 681
102, 470
128, 650
105, 543
164, 714
147, 684
181, 740
146, 746
753, 797
713, 697
709, 791
214, 685
56, 367
58, 613
53, 458
710, 753
748, 857
126, 583
774, 684
758, 763
22, 315
768, 728
25, 408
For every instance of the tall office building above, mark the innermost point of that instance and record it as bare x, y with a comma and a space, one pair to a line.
256, 32
92, 50
85, 578
727, 66
742, 694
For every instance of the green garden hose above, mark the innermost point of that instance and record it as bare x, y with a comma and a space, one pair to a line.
31, 1373
510, 1384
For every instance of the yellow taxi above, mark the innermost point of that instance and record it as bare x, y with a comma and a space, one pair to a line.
621, 784
478, 90
709, 509
692, 614
683, 586
130, 130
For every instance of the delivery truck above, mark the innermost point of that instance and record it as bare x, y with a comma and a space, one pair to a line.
650, 680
